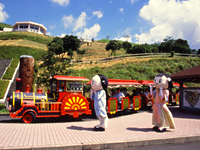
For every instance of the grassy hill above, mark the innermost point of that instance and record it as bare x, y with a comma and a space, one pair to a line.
15, 44
2, 25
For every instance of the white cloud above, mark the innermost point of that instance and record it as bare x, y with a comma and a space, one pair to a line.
133, 1
80, 22
90, 33
128, 39
48, 33
121, 10
68, 21
99, 14
52, 27
124, 36
171, 18
61, 2
79, 25
3, 14
62, 35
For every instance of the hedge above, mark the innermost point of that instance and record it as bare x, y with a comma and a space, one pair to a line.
3, 87
14, 62
9, 73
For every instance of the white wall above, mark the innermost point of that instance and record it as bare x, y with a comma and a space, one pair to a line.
7, 29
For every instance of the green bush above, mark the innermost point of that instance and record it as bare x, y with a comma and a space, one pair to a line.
9, 73
14, 62
104, 41
3, 87
9, 52
172, 53
2, 106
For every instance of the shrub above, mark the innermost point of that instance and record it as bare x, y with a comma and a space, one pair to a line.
181, 66
9, 73
14, 62
2, 106
160, 70
3, 87
172, 53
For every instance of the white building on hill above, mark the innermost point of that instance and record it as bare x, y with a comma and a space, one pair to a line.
30, 27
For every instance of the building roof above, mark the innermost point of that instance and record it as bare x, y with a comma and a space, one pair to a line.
30, 22
188, 75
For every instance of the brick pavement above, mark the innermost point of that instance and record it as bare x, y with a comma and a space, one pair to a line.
123, 131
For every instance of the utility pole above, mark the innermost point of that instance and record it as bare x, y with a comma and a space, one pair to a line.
138, 40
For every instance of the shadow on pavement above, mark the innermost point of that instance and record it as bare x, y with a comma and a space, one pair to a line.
143, 129
140, 129
80, 128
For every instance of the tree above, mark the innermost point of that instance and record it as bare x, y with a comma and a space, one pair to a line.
181, 46
182, 42
70, 53
126, 45
138, 49
81, 52
154, 50
114, 46
198, 52
51, 66
166, 45
56, 46
71, 42
107, 36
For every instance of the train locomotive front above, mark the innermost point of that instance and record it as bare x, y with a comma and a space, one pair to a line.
65, 98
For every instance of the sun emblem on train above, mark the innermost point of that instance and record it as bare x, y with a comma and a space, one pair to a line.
75, 103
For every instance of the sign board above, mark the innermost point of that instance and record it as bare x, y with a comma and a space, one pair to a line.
191, 98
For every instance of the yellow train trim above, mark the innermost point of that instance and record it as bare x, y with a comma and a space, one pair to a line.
13, 99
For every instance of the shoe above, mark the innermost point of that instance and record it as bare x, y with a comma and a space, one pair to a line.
99, 129
155, 128
162, 130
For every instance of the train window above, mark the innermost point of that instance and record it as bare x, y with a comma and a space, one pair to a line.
53, 86
61, 86
74, 86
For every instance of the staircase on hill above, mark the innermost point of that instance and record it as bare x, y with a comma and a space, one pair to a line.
4, 63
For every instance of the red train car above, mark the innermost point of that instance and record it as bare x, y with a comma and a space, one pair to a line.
127, 103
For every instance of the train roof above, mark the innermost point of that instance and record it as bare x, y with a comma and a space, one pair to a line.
69, 78
115, 83
150, 82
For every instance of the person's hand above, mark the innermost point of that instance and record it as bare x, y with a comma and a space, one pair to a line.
161, 92
91, 91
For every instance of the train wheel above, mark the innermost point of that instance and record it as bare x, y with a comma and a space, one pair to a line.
29, 117
110, 115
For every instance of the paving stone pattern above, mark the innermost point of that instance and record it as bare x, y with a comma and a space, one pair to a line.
133, 127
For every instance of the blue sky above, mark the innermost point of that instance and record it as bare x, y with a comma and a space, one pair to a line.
144, 21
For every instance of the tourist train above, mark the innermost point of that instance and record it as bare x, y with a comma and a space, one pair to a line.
66, 97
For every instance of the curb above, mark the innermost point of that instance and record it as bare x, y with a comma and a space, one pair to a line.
5, 114
114, 144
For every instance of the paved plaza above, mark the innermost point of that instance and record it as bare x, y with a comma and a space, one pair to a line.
123, 131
